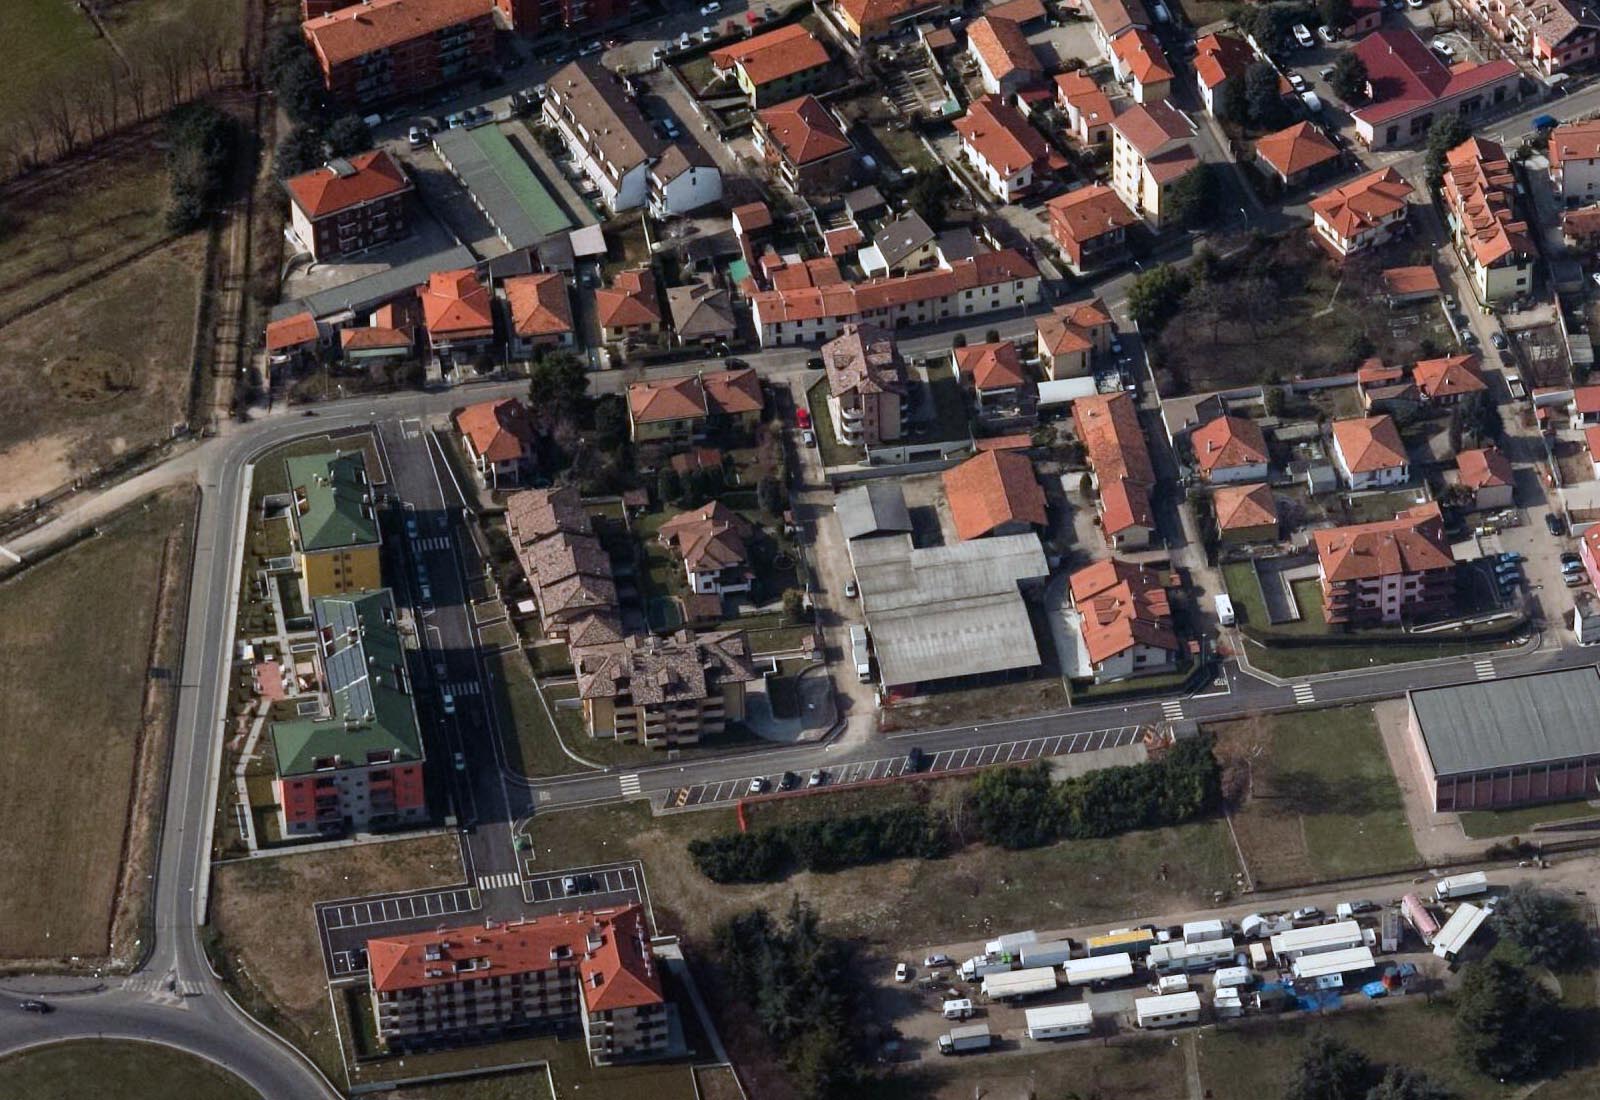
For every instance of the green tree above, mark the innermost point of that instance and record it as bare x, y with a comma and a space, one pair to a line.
349, 135
1505, 1020
770, 496
1400, 1083
610, 422
301, 150
1544, 926
1350, 77
1329, 1069
1481, 418
558, 387
794, 605
202, 142
1086, 486
1194, 197
1334, 13
1236, 103
1447, 131
669, 486
1155, 296
1265, 97
930, 195
300, 91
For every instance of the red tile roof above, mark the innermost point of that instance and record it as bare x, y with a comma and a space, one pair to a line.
732, 392
804, 130
1370, 443
848, 300
1296, 149
774, 55
1121, 605
1221, 57
1586, 399
840, 242
1578, 140
1363, 202
1480, 188
1079, 90
1001, 136
1411, 280
1018, 11
1020, 441
991, 366
667, 399
1448, 377
1412, 542
992, 489
1485, 467
455, 303
1003, 47
539, 305
346, 34
1226, 442
501, 431
1160, 135
630, 301
1591, 438
292, 331
1089, 212
1405, 76
1141, 53
1108, 427
1241, 506
366, 337
753, 216
323, 191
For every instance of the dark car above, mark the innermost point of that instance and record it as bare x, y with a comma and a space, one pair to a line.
36, 1006
1554, 523
788, 782
916, 760
814, 363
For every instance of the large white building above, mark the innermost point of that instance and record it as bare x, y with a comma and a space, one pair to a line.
1151, 150
605, 133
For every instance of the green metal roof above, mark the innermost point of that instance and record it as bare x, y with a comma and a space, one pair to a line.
332, 500
515, 200
364, 666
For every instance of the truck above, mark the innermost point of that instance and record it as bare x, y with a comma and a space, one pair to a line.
1417, 914
1259, 927
858, 652
1046, 953
1020, 983
1225, 614
1461, 886
958, 1009
981, 966
1099, 970
1389, 931
966, 1040
1011, 943
1133, 941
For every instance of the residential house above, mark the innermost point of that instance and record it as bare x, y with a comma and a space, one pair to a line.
1141, 64
811, 313
713, 542
1090, 225
868, 20
354, 763
1479, 194
1219, 59
1003, 147
1087, 107
667, 410
630, 308
1388, 571
734, 399
1114, 18
1230, 448
499, 439
905, 244
1403, 285
1589, 554
1296, 155
1005, 60
1385, 389
1071, 335
333, 527
291, 338
458, 316
1410, 87
1119, 462
1245, 513
702, 314
1555, 35
1574, 154
1365, 17
1151, 151
540, 313
589, 967
1584, 407
683, 179
1369, 452
664, 692
375, 347
1364, 213
1122, 619
995, 493
1030, 15
348, 205
806, 145
776, 66
382, 50
1001, 390
1580, 229
866, 386
1488, 473
569, 571
1449, 380
606, 134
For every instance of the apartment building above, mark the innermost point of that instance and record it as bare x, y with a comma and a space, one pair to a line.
1480, 202
1370, 453
381, 50
1003, 147
1151, 150
664, 692
805, 145
1574, 153
349, 205
356, 763
593, 968
570, 572
1006, 62
1122, 622
776, 66
1410, 87
1364, 213
531, 18
1119, 461
1554, 35
1388, 571
333, 525
1219, 59
866, 386
1090, 225
605, 132
458, 316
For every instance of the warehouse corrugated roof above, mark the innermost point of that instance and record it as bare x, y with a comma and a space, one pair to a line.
1510, 722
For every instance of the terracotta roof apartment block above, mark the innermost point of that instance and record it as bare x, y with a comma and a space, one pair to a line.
1152, 128
994, 491
650, 670
1479, 188
1001, 136
1080, 218
347, 183
804, 130
775, 55
1412, 542
1121, 605
863, 360
385, 49
367, 27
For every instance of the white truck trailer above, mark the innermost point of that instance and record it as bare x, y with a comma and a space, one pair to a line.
1289, 946
1020, 983
1045, 953
966, 1040
1173, 1010
1099, 970
1011, 943
1060, 1021
859, 653
1468, 885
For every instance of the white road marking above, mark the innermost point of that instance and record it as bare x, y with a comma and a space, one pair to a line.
499, 881
1484, 667
1304, 694
629, 783
1172, 710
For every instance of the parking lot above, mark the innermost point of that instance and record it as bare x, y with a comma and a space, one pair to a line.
344, 926
592, 887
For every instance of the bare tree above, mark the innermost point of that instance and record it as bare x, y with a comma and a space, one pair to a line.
60, 105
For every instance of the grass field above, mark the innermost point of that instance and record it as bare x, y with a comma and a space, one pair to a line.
46, 38
119, 1071
266, 932
525, 1084
99, 372
85, 617
531, 744
1323, 802
1490, 823
1145, 1070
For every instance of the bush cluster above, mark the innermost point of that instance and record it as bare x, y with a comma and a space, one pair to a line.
765, 855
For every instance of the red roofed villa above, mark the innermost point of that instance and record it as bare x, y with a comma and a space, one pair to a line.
995, 493
499, 438
1122, 619
349, 205
458, 315
1295, 155
1366, 212
1230, 448
1003, 146
1091, 226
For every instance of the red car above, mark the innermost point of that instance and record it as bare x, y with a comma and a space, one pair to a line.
802, 417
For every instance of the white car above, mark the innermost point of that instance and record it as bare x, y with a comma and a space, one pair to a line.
1443, 48
757, 785
850, 590
1416, 3
1296, 81
707, 34
1325, 33
902, 972
711, 8
684, 41
1302, 35
1596, 278
461, 763
809, 437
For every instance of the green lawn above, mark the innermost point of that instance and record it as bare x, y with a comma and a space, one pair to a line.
118, 1071
531, 743
517, 1084
48, 39
834, 453
1141, 685
1482, 824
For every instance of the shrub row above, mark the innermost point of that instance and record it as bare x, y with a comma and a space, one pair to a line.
765, 855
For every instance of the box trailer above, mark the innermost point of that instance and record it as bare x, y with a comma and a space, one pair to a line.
1289, 946
859, 652
1260, 958
1228, 1004
1419, 916
966, 1040
1258, 927
1458, 930
1225, 614
981, 966
1172, 983
1020, 983
1046, 953
1389, 931
1461, 886
1201, 931
1186, 958
1324, 964
1231, 977
1173, 1010
1011, 943
1060, 1021
1099, 970
1135, 941
959, 1009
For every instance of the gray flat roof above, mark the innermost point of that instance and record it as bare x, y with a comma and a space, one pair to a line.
1518, 721
878, 507
514, 200
371, 291
947, 611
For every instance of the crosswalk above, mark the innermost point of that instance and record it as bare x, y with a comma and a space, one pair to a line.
1304, 694
1172, 710
432, 542
629, 783
1484, 667
464, 687
501, 881
157, 987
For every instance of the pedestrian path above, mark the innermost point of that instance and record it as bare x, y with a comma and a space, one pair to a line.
1305, 694
1172, 710
432, 542
1484, 667
629, 784
501, 881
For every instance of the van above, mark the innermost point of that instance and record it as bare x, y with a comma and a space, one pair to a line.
958, 1010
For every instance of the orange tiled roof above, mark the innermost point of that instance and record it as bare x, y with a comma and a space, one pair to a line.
1577, 140
804, 130
1241, 506
1140, 51
774, 55
1070, 327
667, 399
364, 337
455, 303
884, 292
1450, 376
1089, 212
1479, 187
292, 331
1485, 467
1226, 442
1121, 605
1412, 542
753, 216
1370, 443
1001, 136
630, 301
1295, 149
732, 392
501, 431
1160, 136
991, 366
1221, 57
1411, 280
539, 305
323, 191
1078, 90
992, 489
1003, 46
1363, 202
350, 32
1108, 427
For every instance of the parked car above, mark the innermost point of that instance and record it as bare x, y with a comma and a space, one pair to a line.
1596, 277
592, 48
802, 417
808, 437
707, 34
684, 41
711, 8
902, 972
1306, 912
1302, 35
1554, 524
938, 960
1498, 339
916, 759
36, 1006
815, 363
757, 785
788, 782
417, 136
1568, 558
461, 762
818, 778
1325, 33
850, 590
1416, 3
449, 703
1296, 81
1442, 48
569, 885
